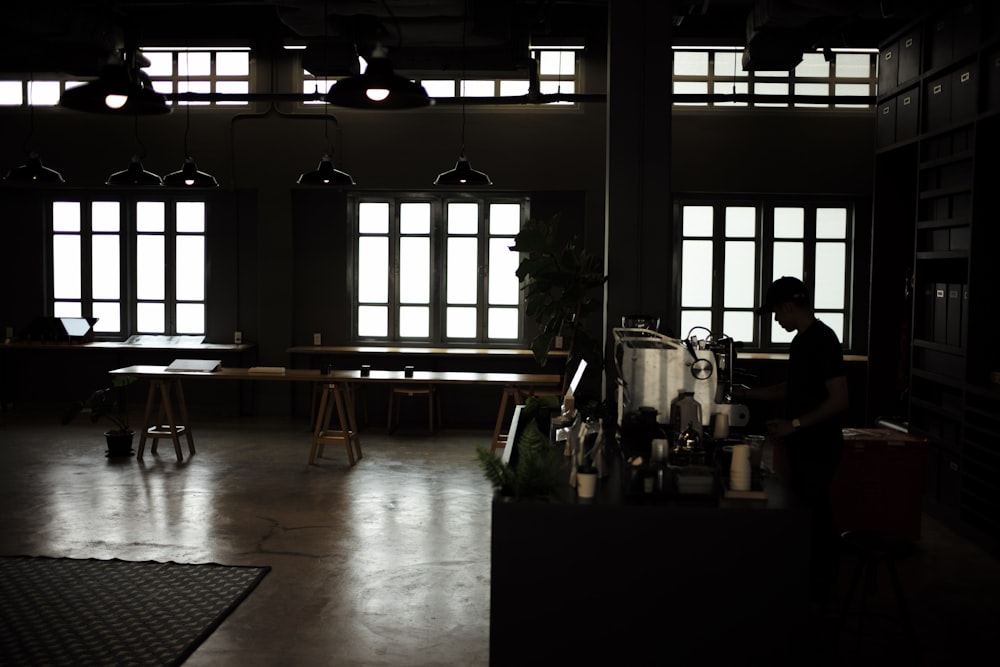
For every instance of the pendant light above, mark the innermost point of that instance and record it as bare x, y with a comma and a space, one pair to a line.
188, 176
33, 171
121, 88
463, 174
135, 174
379, 87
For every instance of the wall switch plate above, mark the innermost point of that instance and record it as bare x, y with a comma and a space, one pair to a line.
317, 339
238, 337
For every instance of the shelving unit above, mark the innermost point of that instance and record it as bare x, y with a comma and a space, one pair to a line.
938, 135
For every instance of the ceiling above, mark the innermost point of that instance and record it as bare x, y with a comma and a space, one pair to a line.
78, 36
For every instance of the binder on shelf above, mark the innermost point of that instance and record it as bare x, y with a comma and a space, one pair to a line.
940, 333
953, 328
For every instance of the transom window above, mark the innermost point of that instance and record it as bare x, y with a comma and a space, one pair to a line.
732, 250
137, 265
719, 71
437, 269
557, 73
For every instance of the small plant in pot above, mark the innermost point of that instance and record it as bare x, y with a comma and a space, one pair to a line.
108, 403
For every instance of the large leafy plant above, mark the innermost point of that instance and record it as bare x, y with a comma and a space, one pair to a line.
563, 286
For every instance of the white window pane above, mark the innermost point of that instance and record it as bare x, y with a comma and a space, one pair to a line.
852, 89
729, 89
191, 217
697, 220
788, 260
505, 219
161, 63
831, 275
438, 88
43, 93
553, 87
812, 65
149, 216
690, 88
373, 321
150, 318
556, 63
108, 316
739, 325
779, 335
729, 64
191, 268
163, 87
463, 218
835, 321
739, 267
11, 93
415, 218
414, 322
503, 288
821, 89
190, 318
789, 223
415, 270
771, 74
852, 65
694, 318
691, 63
233, 88
105, 216
373, 217
512, 88
831, 223
741, 222
373, 271
460, 322
696, 274
502, 323
149, 267
66, 216
105, 278
462, 271
476, 88
67, 309
765, 90
66, 280
232, 63
197, 63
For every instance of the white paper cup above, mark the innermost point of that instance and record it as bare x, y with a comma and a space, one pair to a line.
721, 429
739, 468
586, 484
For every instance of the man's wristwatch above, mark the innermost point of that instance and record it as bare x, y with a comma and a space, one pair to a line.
796, 423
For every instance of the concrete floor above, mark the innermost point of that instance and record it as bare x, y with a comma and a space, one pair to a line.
386, 563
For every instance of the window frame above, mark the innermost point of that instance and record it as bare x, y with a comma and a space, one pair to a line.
128, 250
437, 335
764, 239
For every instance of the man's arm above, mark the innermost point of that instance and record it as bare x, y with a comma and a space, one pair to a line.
775, 392
836, 402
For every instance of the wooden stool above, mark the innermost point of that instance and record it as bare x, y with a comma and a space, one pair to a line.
358, 398
336, 398
400, 390
158, 398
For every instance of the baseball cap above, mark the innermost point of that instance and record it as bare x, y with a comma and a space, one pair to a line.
784, 290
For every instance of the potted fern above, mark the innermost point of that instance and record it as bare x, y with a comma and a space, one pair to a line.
108, 403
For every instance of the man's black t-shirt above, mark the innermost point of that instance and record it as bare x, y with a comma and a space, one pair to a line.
815, 357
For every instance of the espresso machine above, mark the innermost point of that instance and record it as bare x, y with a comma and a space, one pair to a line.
653, 369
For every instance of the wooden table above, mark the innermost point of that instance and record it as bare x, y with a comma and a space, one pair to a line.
337, 398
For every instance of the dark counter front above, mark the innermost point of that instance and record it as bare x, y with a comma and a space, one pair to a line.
613, 583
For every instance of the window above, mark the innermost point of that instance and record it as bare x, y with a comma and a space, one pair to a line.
706, 71
137, 265
557, 73
730, 251
437, 269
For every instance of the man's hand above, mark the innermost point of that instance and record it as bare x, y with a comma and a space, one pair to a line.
779, 428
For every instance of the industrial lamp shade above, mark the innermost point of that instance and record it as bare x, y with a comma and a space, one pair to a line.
134, 175
189, 177
378, 88
462, 174
118, 90
325, 174
33, 171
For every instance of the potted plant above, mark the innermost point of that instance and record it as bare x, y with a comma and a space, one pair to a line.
108, 403
563, 286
